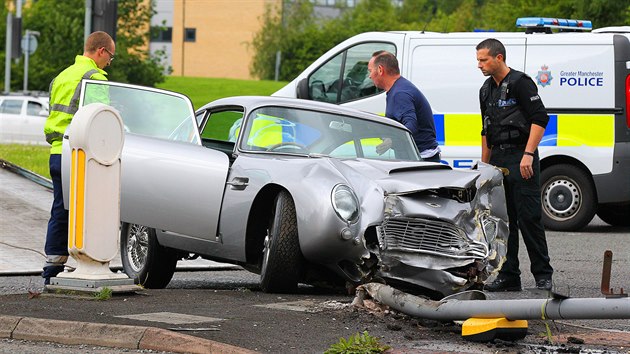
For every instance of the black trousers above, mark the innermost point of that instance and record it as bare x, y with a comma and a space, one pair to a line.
524, 212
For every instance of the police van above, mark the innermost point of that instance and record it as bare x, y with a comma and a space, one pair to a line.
583, 78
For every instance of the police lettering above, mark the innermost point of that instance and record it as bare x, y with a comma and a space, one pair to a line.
581, 81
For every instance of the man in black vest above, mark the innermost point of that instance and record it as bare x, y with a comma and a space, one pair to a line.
514, 121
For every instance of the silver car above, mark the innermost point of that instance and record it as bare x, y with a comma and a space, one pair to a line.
295, 190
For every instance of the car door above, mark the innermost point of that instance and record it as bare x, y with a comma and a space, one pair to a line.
35, 118
12, 120
169, 181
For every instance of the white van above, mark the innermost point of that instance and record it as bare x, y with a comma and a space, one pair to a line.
583, 79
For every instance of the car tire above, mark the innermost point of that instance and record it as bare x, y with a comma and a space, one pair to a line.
282, 257
568, 198
615, 215
143, 259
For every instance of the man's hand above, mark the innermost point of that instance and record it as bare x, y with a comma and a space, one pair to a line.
384, 146
527, 168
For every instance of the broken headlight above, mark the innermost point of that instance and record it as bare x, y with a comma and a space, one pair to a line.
345, 203
490, 226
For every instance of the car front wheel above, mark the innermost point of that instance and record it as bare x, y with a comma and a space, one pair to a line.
143, 259
282, 258
568, 198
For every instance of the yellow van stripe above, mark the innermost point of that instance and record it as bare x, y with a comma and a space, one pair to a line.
462, 129
586, 129
597, 130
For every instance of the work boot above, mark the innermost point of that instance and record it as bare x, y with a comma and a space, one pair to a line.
544, 284
504, 284
51, 271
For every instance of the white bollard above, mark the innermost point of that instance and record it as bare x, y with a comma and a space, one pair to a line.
96, 138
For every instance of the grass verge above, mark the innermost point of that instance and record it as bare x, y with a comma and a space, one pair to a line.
202, 90
31, 157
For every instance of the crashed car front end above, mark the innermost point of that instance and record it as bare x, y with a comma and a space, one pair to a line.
444, 238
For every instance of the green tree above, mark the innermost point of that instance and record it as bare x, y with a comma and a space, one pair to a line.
61, 25
292, 30
304, 37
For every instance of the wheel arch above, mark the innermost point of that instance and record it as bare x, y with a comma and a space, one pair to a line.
257, 222
568, 160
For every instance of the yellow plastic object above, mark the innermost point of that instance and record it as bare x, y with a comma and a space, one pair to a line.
487, 329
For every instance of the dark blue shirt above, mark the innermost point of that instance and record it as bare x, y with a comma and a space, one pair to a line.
407, 105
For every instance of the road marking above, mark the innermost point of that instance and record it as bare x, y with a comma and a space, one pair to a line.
310, 306
171, 318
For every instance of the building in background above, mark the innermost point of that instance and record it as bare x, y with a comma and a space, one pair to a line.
163, 39
211, 38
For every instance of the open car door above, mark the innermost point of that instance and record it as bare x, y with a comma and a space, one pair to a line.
168, 180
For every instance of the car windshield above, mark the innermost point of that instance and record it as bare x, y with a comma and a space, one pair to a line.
300, 131
146, 111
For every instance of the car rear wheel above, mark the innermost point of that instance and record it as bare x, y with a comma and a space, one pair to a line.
568, 198
143, 259
282, 258
616, 215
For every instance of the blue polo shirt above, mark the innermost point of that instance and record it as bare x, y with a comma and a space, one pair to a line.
407, 105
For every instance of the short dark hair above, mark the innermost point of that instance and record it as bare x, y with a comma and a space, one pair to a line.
494, 47
387, 60
96, 40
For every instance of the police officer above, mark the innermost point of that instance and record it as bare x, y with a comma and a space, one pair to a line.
98, 53
514, 121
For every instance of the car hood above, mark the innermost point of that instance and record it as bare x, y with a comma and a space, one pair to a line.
401, 177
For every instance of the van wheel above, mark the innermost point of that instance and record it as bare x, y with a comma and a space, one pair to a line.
282, 257
143, 259
614, 214
568, 198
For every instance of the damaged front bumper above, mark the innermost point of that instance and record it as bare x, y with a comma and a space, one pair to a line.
445, 239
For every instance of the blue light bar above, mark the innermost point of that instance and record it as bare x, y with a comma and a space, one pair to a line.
560, 23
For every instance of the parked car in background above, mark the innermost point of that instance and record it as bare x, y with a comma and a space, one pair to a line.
22, 119
295, 190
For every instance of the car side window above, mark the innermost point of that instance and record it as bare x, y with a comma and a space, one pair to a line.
345, 77
34, 108
222, 125
221, 129
11, 106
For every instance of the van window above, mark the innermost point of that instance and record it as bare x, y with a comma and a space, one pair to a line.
345, 77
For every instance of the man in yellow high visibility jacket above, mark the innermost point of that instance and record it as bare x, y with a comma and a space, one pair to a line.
98, 53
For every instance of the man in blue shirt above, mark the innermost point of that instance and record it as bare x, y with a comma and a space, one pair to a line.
405, 104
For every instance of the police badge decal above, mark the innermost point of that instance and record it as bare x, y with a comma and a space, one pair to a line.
544, 76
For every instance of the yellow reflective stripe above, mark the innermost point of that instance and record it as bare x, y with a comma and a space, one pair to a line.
586, 129
462, 129
77, 200
371, 141
73, 178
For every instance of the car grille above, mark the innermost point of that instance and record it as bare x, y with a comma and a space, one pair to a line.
428, 236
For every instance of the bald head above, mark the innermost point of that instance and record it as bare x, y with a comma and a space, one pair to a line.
100, 47
96, 40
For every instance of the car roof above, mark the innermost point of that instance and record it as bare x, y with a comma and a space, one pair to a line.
38, 98
259, 101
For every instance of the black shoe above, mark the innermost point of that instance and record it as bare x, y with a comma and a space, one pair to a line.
544, 284
503, 284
